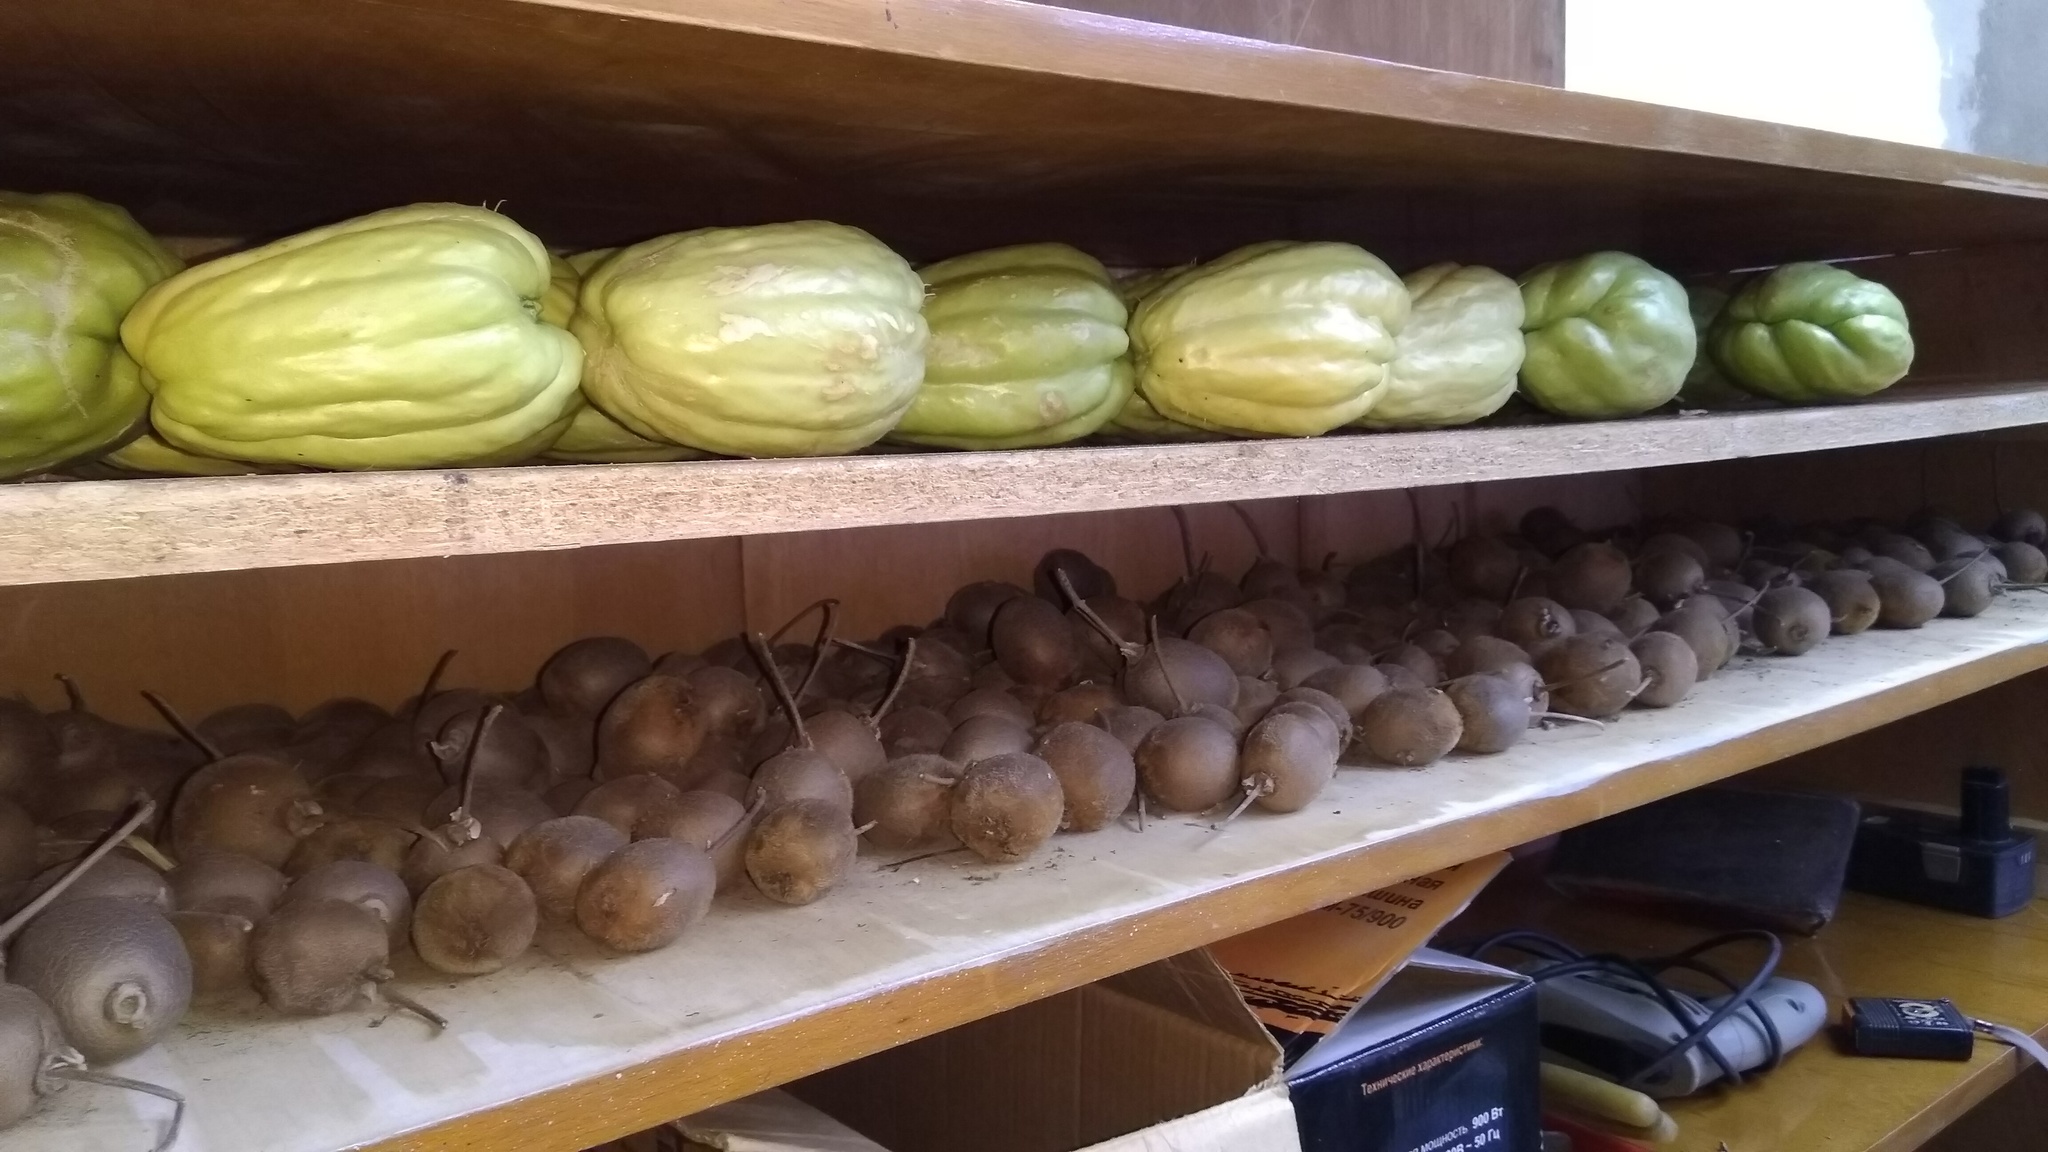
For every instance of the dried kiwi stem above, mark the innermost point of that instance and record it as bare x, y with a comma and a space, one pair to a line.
1566, 716
411, 1005
896, 684
1515, 589
149, 852
1253, 788
799, 737
178, 725
476, 741
432, 685
1187, 542
1251, 528
1974, 558
73, 694
1571, 680
941, 781
136, 819
776, 636
821, 645
67, 1071
1180, 702
1125, 648
741, 825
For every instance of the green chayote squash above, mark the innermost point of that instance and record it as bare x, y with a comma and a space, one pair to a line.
801, 339
592, 436
1807, 332
1027, 349
1138, 420
1456, 360
403, 339
151, 455
70, 268
1705, 386
1275, 339
1607, 335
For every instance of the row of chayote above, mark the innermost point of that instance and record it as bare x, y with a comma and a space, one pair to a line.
439, 334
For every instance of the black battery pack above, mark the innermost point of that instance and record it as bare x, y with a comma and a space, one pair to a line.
1975, 863
1914, 1029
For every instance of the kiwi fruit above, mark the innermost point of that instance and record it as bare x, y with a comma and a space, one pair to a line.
990, 702
1528, 686
351, 838
1550, 531
1078, 704
1584, 622
1352, 686
907, 731
248, 804
1401, 676
1672, 542
1415, 659
1410, 727
1287, 761
1904, 549
1484, 566
1906, 598
650, 727
1484, 654
32, 1050
1704, 626
226, 883
1493, 714
980, 737
1533, 620
113, 877
1790, 621
1721, 545
2023, 525
114, 971
555, 856
646, 894
1293, 666
1129, 723
359, 882
1592, 576
625, 802
508, 751
440, 852
972, 609
1287, 621
1239, 637
28, 750
1669, 666
698, 818
242, 728
1253, 698
1172, 675
474, 920
1087, 578
317, 957
2024, 564
801, 774
849, 742
1033, 643
1666, 577
1467, 619
1634, 616
1097, 773
1338, 712
1123, 617
1967, 585
798, 852
1006, 806
1188, 764
1851, 598
504, 813
570, 743
1592, 676
584, 676
1195, 597
217, 946
19, 841
907, 806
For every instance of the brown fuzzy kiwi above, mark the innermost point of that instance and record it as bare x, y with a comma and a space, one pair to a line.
28, 748
438, 853
508, 751
1287, 621
650, 727
555, 856
225, 882
1851, 598
1171, 675
1239, 637
907, 731
1722, 544
1528, 686
250, 804
625, 802
570, 741
849, 742
1492, 711
1904, 549
1704, 626
1188, 764
972, 609
1550, 530
1759, 573
114, 877
1484, 654
1334, 740
1968, 584
678, 663
1338, 712
1534, 620
2021, 524
501, 813
217, 945
699, 818
1195, 597
474, 920
1253, 698
980, 737
1006, 806
360, 882
1906, 598
1286, 762
1467, 619
1791, 621
1592, 576
1078, 704
1438, 642
1591, 676
1293, 667
2024, 563
379, 841
727, 701
1669, 666
800, 851
1402, 676
1088, 578
1097, 774
33, 1054
1484, 566
1673, 542
240, 728
990, 702
1034, 644
1584, 622
1129, 723
114, 971
1410, 727
906, 807
396, 798
1354, 686
1634, 616
1413, 658
584, 676
317, 957
646, 894
1666, 577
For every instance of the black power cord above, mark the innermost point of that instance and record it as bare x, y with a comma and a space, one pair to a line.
1564, 960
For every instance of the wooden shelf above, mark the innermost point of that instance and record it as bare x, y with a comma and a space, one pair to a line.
1822, 1097
569, 1047
98, 530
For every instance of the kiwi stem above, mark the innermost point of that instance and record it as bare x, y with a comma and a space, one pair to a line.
149, 852
136, 819
820, 646
1253, 788
413, 1006
1972, 563
895, 864
1187, 541
1251, 528
1125, 648
1545, 716
178, 725
1141, 810
1571, 680
814, 606
871, 653
476, 740
866, 828
1180, 702
745, 822
73, 694
901, 678
88, 1076
759, 647
1514, 589
941, 781
432, 685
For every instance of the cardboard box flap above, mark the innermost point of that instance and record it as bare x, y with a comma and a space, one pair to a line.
1431, 987
772, 1121
1260, 1122
1193, 986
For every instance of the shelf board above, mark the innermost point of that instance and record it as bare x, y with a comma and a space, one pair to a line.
100, 529
568, 1047
938, 124
1822, 1097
